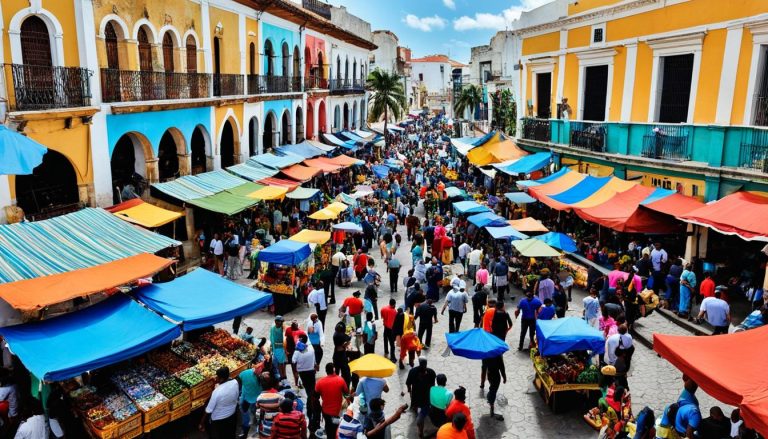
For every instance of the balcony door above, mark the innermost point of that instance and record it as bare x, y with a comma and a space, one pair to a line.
197, 87
145, 64
171, 91
216, 67
544, 95
676, 78
595, 92
37, 74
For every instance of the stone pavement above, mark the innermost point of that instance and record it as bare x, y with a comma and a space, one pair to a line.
654, 382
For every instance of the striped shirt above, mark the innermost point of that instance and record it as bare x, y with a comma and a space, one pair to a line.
349, 427
289, 425
269, 404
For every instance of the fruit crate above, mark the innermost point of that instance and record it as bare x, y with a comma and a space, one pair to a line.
234, 373
157, 422
129, 426
180, 400
202, 390
181, 411
136, 432
199, 402
156, 413
109, 432
116, 430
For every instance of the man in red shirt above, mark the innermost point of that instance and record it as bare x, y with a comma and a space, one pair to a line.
354, 306
388, 314
291, 338
707, 287
289, 423
360, 264
330, 392
488, 316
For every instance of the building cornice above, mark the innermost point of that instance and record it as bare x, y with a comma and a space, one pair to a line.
586, 16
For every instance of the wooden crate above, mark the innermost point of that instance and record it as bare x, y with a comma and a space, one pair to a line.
136, 432
203, 389
157, 412
180, 400
181, 411
199, 402
234, 373
129, 425
149, 426
99, 433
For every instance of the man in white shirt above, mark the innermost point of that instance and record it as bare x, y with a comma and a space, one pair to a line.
316, 336
658, 259
456, 302
337, 263
217, 248
35, 426
473, 262
717, 310
304, 359
317, 299
222, 407
464, 250
619, 340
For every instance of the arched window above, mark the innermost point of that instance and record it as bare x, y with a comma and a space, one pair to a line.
338, 67
145, 51
110, 42
269, 53
168, 52
191, 54
252, 59
320, 64
296, 62
354, 70
286, 60
35, 42
346, 70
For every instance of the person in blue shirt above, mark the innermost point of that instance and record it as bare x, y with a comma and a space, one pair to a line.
547, 312
529, 307
688, 417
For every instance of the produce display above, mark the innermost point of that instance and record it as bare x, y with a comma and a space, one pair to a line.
590, 375
170, 387
121, 407
245, 353
100, 416
192, 353
168, 361
138, 389
102, 409
191, 377
210, 365
566, 368
276, 278
222, 340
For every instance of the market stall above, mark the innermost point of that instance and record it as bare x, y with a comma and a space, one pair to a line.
562, 358
285, 265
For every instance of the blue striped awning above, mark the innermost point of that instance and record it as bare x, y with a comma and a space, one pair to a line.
277, 161
82, 239
192, 187
253, 170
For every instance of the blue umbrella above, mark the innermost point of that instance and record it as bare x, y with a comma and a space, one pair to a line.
19, 154
558, 240
381, 171
475, 344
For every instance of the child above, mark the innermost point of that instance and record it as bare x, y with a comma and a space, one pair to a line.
547, 312
247, 336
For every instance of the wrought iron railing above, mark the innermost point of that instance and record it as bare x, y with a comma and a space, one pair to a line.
228, 84
261, 84
318, 7
136, 85
588, 135
667, 142
315, 82
296, 84
347, 85
44, 87
754, 150
537, 129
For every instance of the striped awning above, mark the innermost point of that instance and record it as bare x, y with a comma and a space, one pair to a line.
253, 170
82, 239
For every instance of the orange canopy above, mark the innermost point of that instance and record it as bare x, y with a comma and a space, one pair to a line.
730, 367
324, 163
288, 184
344, 160
622, 213
742, 214
37, 293
301, 173
675, 205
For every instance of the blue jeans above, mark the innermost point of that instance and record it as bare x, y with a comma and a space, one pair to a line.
247, 410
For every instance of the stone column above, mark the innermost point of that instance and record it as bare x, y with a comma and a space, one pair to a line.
153, 175
185, 164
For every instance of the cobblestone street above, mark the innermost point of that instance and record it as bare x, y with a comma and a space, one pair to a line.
654, 382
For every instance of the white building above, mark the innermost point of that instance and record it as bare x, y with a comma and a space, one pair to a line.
393, 58
436, 77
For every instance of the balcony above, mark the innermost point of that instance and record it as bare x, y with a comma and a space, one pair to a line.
753, 153
318, 7
134, 86
537, 129
316, 82
589, 136
347, 86
667, 142
264, 84
38, 88
227, 84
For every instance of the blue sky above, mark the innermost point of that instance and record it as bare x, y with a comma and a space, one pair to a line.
440, 26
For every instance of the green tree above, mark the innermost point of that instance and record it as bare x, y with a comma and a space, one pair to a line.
504, 111
387, 95
470, 97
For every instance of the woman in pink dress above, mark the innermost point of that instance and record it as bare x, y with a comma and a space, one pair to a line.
437, 242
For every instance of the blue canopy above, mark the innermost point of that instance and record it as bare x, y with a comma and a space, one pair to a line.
277, 161
19, 154
303, 149
338, 142
203, 298
486, 219
547, 179
559, 240
347, 226
476, 344
381, 171
506, 232
106, 333
285, 252
527, 164
519, 197
470, 207
568, 334
583, 189
453, 191
353, 137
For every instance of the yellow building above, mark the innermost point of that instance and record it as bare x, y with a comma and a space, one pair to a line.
673, 92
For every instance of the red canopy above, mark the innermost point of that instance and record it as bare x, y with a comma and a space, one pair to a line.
280, 182
729, 367
622, 213
676, 205
741, 213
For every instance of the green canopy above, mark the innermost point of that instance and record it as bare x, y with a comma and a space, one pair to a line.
533, 248
229, 202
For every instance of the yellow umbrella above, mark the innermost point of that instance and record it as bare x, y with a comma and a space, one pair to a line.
269, 193
337, 207
372, 365
324, 214
311, 236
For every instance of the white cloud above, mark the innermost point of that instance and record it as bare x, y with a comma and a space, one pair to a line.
499, 21
425, 24
450, 4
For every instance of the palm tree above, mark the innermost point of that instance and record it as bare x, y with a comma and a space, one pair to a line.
387, 95
470, 97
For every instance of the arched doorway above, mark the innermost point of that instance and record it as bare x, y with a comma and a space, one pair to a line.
252, 59
345, 119
320, 65
355, 122
129, 164
310, 132
285, 129
269, 53
171, 90
338, 67
270, 122
321, 117
299, 125
227, 147
286, 52
111, 45
296, 62
145, 64
307, 62
354, 70
168, 165
253, 137
336, 118
191, 54
346, 71
199, 151
37, 73
362, 114
52, 184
